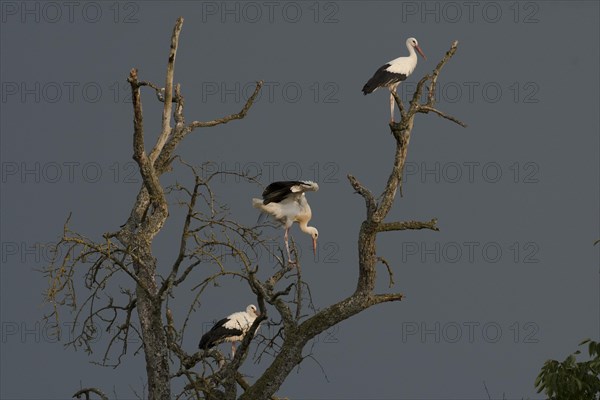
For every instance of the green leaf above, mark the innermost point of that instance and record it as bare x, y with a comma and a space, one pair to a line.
584, 341
592, 348
538, 380
541, 388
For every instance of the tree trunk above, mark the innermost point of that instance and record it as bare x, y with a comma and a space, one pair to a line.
367, 258
153, 334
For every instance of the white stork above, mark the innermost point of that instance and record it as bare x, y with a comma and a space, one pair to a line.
286, 202
391, 74
231, 329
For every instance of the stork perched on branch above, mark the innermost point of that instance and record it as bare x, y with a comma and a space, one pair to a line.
231, 329
394, 72
286, 202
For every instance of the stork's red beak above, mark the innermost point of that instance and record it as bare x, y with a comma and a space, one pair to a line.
315, 247
420, 51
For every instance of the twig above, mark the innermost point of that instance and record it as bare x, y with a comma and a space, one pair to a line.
87, 391
224, 120
487, 391
389, 269
426, 109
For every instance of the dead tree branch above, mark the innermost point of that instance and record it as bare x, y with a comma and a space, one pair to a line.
228, 118
426, 109
404, 225
168, 102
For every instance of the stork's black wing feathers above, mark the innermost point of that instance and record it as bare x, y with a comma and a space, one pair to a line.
277, 191
381, 78
218, 334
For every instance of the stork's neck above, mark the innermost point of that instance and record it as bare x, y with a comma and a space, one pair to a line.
412, 54
304, 227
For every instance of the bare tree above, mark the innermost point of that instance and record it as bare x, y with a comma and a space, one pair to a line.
139, 305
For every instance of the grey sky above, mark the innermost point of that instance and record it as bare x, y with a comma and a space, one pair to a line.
511, 280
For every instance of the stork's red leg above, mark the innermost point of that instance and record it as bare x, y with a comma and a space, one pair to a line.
232, 349
287, 245
392, 105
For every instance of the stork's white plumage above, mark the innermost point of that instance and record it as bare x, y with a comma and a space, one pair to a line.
231, 329
391, 74
286, 202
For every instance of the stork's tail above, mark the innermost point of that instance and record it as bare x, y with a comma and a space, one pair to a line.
258, 203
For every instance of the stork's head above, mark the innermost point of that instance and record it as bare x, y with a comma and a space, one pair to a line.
251, 309
314, 233
412, 42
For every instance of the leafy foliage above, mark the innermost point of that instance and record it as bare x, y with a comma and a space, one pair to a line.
572, 380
